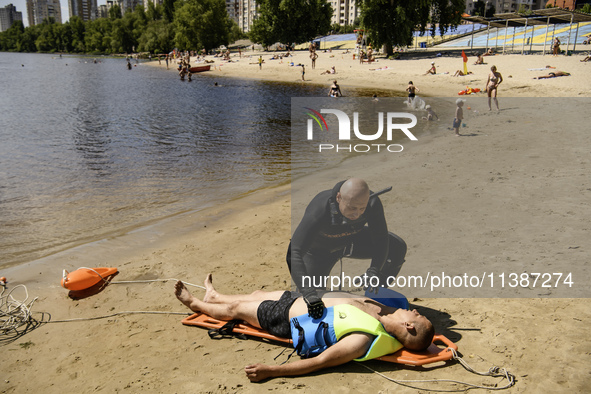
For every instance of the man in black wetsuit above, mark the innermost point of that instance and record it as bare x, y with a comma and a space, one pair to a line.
343, 222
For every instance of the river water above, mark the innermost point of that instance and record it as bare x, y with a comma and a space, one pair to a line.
92, 150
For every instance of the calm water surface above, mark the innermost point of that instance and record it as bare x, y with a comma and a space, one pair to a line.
93, 150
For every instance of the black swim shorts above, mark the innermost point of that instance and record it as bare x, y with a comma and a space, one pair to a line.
274, 315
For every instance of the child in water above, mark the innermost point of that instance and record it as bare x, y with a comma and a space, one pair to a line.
430, 114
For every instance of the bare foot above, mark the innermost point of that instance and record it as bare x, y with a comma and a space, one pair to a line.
183, 294
211, 294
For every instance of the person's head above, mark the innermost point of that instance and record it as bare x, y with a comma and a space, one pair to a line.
413, 330
352, 198
334, 82
427, 107
493, 68
460, 102
432, 63
410, 82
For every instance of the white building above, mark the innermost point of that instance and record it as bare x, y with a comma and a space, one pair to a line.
247, 12
344, 12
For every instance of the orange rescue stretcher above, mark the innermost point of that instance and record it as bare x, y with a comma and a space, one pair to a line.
433, 354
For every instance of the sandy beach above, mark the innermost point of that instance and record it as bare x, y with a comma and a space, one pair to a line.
511, 194
383, 76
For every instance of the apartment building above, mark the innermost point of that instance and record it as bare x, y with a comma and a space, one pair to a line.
344, 12
39, 10
85, 9
8, 15
505, 6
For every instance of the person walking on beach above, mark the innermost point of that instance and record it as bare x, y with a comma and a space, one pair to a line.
303, 72
345, 221
494, 80
459, 116
260, 62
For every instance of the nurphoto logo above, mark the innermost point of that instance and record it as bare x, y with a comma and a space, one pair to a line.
393, 125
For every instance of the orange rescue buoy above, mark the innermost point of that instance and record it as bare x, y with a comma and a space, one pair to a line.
84, 278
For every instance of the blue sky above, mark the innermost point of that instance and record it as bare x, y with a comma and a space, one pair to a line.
21, 6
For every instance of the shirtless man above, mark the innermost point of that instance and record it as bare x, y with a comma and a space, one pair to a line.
281, 313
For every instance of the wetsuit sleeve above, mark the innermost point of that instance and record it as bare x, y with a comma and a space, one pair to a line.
378, 228
303, 237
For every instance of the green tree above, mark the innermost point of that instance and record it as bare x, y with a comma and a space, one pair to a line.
157, 37
98, 36
78, 32
291, 21
168, 10
115, 12
392, 22
47, 40
10, 40
201, 24
154, 12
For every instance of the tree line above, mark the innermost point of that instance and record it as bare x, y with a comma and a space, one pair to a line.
205, 24
182, 24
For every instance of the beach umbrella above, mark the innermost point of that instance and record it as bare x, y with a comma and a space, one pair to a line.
465, 59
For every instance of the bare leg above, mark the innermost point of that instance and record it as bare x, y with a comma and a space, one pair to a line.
212, 296
246, 311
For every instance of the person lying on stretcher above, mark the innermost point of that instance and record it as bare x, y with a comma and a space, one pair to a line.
351, 328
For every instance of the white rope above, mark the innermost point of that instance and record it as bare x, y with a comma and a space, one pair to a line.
493, 372
117, 314
136, 281
156, 280
14, 313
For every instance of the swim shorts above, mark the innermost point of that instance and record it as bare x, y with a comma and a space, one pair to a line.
274, 315
456, 124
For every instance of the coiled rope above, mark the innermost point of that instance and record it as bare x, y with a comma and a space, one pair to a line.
14, 313
492, 372
16, 316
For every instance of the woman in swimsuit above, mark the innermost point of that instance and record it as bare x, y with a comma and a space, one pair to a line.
494, 80
556, 47
335, 90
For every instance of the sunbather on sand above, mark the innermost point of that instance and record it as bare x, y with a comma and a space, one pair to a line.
460, 73
553, 75
365, 330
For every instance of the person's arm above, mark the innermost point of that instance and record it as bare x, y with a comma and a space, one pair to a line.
500, 79
304, 236
349, 348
